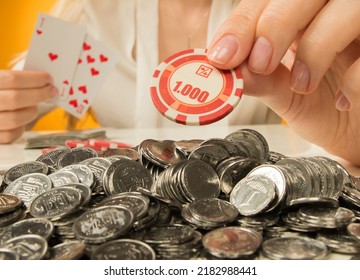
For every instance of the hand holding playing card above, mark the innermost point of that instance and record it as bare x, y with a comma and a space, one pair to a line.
20, 93
78, 64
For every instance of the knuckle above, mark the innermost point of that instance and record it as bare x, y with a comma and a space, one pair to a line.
11, 100
274, 18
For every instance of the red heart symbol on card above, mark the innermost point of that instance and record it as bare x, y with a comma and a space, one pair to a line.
103, 58
39, 32
66, 82
86, 101
53, 56
79, 60
90, 59
86, 47
71, 91
94, 72
83, 89
73, 103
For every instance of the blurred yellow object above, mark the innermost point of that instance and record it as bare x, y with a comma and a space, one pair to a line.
17, 21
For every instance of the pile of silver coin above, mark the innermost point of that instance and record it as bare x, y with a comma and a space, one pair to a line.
219, 198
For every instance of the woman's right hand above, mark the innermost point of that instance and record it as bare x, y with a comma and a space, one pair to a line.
20, 93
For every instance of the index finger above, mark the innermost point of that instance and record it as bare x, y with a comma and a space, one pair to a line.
10, 79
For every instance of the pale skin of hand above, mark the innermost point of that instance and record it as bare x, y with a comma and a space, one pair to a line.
319, 97
20, 93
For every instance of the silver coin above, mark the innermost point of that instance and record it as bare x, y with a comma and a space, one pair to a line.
28, 247
339, 241
63, 177
85, 193
231, 242
326, 217
28, 187
129, 176
253, 195
75, 156
199, 180
124, 249
70, 250
50, 158
25, 168
37, 226
294, 248
56, 203
98, 167
275, 174
6, 254
103, 224
235, 171
11, 217
83, 172
292, 221
211, 154
136, 202
213, 210
161, 153
123, 152
168, 234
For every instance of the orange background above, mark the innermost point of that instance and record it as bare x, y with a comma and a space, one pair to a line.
17, 20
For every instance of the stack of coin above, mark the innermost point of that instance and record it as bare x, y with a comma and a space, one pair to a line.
178, 200
294, 248
188, 180
175, 241
209, 213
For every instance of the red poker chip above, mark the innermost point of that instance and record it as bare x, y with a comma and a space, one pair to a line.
187, 89
108, 144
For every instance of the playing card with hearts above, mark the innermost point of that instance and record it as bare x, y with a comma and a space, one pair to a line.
55, 48
78, 63
94, 65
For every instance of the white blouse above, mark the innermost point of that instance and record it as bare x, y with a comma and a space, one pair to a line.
130, 29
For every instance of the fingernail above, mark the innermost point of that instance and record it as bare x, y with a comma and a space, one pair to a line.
342, 103
53, 92
300, 77
224, 50
260, 55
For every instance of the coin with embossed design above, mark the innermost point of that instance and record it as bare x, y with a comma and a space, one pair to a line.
124, 249
56, 203
28, 187
102, 224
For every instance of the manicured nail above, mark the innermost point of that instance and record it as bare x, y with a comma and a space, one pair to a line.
53, 92
300, 77
260, 55
342, 103
224, 50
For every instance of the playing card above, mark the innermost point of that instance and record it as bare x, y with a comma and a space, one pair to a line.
93, 67
55, 48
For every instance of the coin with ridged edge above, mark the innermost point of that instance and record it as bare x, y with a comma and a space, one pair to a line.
102, 224
294, 248
28, 247
124, 249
